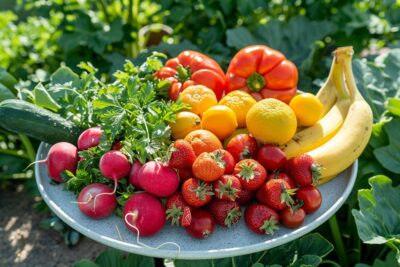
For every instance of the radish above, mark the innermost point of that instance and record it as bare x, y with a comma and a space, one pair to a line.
89, 138
144, 214
104, 204
158, 179
133, 175
61, 157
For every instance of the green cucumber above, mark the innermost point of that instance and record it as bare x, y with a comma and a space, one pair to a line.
22, 117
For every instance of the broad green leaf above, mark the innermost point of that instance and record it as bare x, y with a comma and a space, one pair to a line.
194, 263
378, 220
390, 261
393, 106
308, 260
44, 99
240, 37
8, 80
138, 260
389, 155
65, 75
5, 93
85, 263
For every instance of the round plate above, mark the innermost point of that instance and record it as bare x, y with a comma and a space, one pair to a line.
235, 241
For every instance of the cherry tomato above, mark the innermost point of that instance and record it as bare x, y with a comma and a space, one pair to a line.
202, 224
271, 157
242, 146
292, 219
310, 196
283, 176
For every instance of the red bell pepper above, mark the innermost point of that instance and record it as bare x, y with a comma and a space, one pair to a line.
192, 68
263, 72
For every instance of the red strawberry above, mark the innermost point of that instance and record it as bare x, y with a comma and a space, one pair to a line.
227, 187
182, 155
261, 219
284, 176
178, 210
226, 213
245, 196
208, 167
197, 193
276, 193
228, 159
251, 174
303, 169
184, 174
242, 146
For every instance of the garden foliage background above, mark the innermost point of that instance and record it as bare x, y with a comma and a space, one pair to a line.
37, 37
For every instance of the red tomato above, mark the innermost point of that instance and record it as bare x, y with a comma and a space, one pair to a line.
292, 219
242, 146
202, 224
271, 157
310, 196
192, 68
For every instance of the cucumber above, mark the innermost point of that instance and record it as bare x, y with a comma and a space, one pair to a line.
22, 117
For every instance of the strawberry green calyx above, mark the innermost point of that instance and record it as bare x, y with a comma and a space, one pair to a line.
315, 172
202, 190
174, 214
286, 195
270, 226
248, 171
232, 217
227, 190
218, 158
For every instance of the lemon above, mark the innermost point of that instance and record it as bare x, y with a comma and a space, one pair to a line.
308, 109
271, 121
185, 123
220, 120
240, 102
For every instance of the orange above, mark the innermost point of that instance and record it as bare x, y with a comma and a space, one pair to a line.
185, 123
240, 102
203, 141
308, 109
271, 121
199, 98
221, 120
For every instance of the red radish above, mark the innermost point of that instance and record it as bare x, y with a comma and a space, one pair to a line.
158, 179
89, 138
104, 204
61, 157
144, 214
134, 174
202, 225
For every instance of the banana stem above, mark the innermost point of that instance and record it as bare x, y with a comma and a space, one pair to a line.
337, 237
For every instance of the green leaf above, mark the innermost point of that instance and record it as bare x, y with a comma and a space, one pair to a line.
5, 93
65, 75
85, 263
390, 261
378, 220
393, 106
8, 80
44, 99
240, 37
194, 263
389, 155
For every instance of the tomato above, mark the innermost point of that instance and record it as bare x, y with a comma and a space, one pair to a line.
242, 146
202, 224
310, 196
263, 72
271, 157
192, 68
292, 219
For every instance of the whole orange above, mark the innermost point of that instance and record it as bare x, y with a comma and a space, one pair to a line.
203, 141
220, 120
199, 97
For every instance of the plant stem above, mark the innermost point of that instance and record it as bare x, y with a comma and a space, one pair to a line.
13, 153
28, 146
132, 20
337, 237
261, 257
103, 6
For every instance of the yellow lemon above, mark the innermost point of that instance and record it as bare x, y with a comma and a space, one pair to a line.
219, 120
240, 102
271, 121
185, 123
308, 109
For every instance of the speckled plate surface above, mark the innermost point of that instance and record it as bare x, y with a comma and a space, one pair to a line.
222, 243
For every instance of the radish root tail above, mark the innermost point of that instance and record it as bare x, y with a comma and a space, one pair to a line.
33, 163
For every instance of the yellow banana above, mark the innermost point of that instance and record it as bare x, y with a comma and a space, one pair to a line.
314, 136
347, 145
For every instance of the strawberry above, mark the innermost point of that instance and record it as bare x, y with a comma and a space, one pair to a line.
228, 159
227, 187
261, 219
245, 196
251, 174
276, 193
284, 176
178, 210
208, 167
182, 155
303, 169
197, 193
226, 213
242, 146
184, 174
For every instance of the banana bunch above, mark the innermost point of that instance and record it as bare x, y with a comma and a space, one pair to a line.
340, 137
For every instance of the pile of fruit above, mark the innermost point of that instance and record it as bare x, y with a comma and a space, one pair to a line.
244, 138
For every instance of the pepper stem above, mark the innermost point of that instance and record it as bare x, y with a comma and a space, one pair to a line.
255, 82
